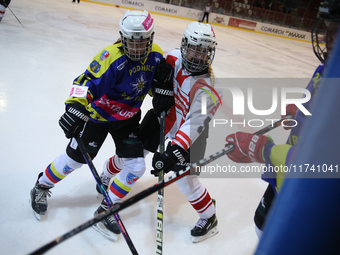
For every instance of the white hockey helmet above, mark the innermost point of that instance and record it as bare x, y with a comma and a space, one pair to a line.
136, 31
198, 46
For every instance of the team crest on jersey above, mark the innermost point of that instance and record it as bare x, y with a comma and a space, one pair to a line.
131, 178
95, 66
67, 170
138, 85
104, 55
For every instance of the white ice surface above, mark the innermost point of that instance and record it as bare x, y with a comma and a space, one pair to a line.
38, 63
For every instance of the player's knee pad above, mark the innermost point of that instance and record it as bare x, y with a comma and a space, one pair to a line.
133, 169
72, 163
65, 165
113, 166
189, 185
135, 165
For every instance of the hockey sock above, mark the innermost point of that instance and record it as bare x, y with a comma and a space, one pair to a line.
197, 195
62, 166
203, 205
133, 169
113, 166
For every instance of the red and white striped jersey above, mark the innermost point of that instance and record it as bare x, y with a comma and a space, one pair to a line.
185, 121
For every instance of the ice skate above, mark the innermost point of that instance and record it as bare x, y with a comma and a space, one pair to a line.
108, 226
105, 181
204, 229
38, 199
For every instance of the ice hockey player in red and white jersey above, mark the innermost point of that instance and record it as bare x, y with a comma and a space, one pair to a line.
185, 125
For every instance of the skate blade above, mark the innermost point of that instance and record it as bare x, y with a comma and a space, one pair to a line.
105, 232
212, 232
37, 215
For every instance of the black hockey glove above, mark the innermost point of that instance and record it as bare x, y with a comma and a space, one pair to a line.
174, 154
180, 166
163, 99
74, 119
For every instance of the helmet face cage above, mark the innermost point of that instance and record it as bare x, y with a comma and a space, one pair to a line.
198, 47
319, 48
137, 49
325, 28
196, 58
136, 32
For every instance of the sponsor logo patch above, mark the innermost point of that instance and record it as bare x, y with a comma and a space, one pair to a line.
78, 91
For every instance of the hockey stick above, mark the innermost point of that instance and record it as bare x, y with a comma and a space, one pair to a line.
159, 234
15, 16
147, 192
105, 194
274, 125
